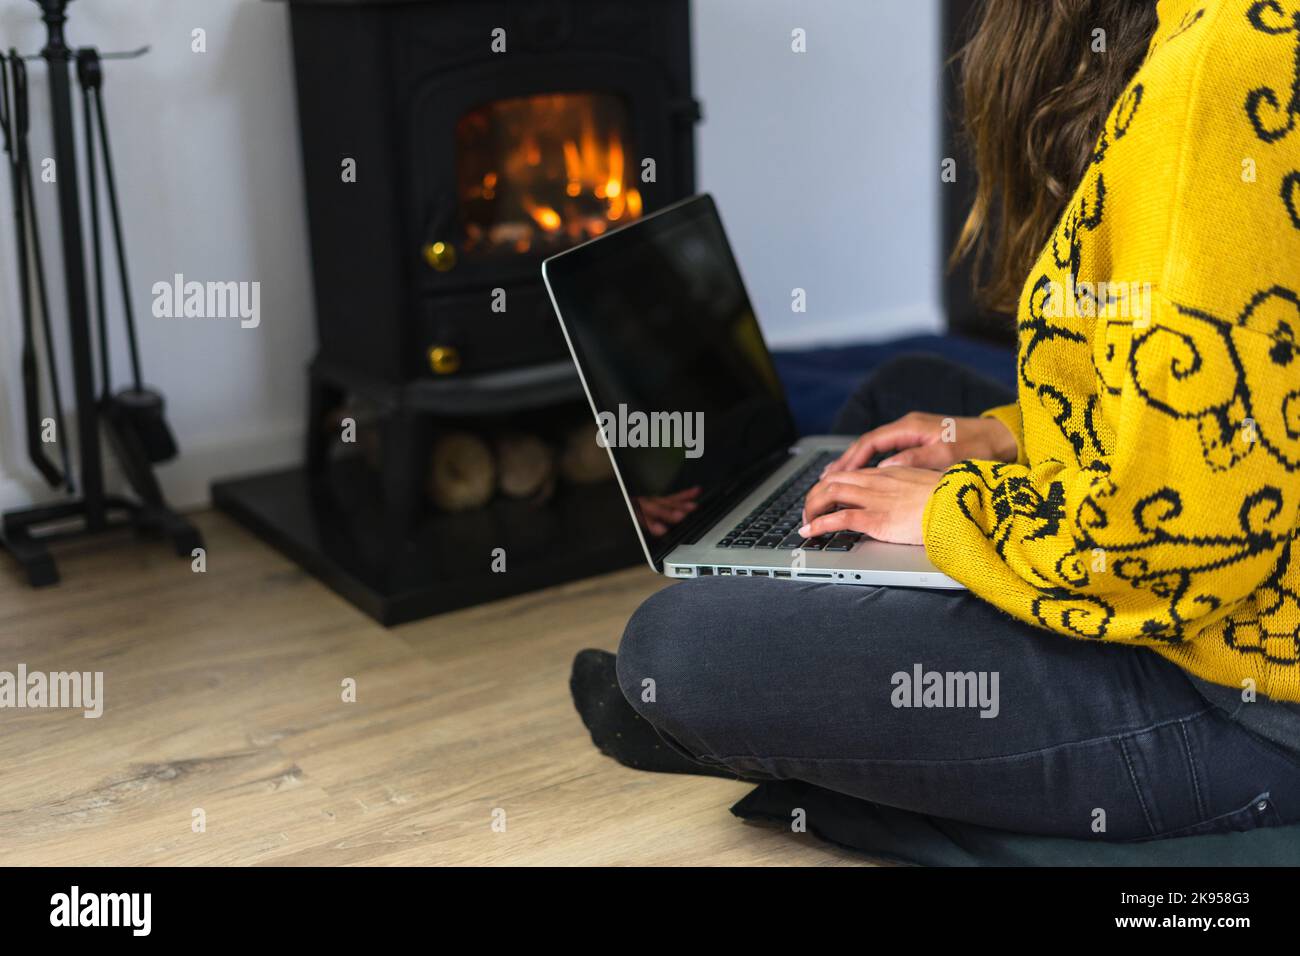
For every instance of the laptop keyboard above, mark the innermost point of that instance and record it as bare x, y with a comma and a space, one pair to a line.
772, 526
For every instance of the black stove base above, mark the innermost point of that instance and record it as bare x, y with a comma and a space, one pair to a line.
332, 527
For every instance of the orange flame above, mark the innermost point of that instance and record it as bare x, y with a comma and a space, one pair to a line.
552, 166
544, 216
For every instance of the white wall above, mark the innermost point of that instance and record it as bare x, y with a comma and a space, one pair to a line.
824, 164
207, 162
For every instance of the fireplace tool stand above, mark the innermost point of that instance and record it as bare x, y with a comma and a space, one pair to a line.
27, 533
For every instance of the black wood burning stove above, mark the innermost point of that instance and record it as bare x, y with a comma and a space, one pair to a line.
477, 154
448, 147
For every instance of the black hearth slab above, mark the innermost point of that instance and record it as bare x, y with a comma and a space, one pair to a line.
337, 534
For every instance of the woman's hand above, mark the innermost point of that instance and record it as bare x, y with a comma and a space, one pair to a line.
884, 503
929, 441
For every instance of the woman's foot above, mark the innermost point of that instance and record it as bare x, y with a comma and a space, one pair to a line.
616, 729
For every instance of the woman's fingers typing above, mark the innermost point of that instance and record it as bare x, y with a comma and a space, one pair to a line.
906, 431
886, 504
913, 430
937, 456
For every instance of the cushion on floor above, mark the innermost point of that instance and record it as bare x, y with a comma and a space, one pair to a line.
899, 836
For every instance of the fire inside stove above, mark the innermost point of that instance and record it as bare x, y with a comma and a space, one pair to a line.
539, 173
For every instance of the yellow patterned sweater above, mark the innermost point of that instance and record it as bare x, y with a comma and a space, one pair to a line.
1155, 499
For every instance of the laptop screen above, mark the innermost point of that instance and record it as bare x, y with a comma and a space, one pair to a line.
682, 383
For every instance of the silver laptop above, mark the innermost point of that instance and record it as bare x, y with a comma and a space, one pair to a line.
689, 405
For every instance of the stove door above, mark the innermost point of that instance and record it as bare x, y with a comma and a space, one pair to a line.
511, 166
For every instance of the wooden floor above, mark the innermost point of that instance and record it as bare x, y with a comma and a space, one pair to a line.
223, 693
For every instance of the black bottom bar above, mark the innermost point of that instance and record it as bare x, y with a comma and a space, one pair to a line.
913, 910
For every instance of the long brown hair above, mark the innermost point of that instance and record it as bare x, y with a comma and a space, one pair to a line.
1034, 95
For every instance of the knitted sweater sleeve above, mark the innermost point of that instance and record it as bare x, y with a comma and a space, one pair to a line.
1158, 484
1145, 543
1009, 415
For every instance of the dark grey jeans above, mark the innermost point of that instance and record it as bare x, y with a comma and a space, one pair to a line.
939, 703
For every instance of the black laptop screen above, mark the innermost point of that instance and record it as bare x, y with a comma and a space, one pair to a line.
671, 353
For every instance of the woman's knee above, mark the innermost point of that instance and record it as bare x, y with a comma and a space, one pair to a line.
685, 656
909, 368
688, 645
893, 388
657, 642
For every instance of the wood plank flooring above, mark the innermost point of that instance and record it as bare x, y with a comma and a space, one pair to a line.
223, 694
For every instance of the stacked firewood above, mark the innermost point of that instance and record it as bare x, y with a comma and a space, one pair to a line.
468, 470
471, 466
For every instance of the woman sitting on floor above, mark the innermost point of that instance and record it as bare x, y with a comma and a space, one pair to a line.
1125, 522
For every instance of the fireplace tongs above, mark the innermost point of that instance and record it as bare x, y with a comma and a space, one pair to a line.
15, 119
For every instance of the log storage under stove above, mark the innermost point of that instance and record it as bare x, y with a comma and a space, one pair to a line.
448, 147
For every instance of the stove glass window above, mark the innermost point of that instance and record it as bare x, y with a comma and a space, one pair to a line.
539, 173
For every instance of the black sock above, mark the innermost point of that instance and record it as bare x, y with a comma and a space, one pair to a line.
616, 729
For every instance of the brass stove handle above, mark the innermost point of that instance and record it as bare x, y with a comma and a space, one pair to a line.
441, 256
444, 359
